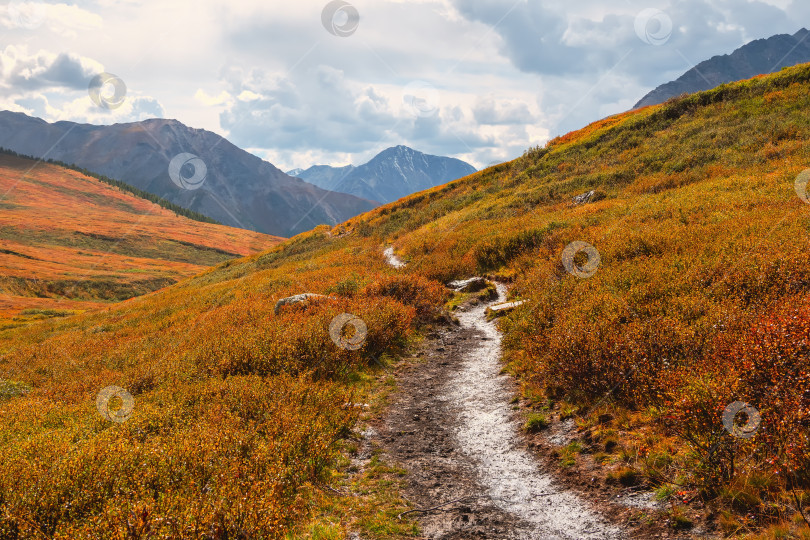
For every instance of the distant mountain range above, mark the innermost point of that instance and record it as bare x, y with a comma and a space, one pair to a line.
392, 174
756, 58
238, 189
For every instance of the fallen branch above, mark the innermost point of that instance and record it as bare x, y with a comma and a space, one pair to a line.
426, 510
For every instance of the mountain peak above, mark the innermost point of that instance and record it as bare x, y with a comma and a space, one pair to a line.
399, 149
394, 173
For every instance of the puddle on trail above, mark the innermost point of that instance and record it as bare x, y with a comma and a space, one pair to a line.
488, 434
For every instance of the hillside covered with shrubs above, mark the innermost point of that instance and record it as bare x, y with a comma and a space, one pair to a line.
700, 300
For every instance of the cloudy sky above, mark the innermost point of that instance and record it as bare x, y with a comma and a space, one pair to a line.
314, 82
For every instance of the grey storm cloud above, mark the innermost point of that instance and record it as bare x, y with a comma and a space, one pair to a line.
42, 71
589, 66
589, 62
488, 111
317, 109
542, 40
67, 71
507, 74
320, 108
532, 35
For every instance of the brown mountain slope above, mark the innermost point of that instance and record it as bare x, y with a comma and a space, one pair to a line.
69, 242
239, 189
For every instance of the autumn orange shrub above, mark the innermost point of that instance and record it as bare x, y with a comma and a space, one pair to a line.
762, 363
297, 341
221, 458
238, 411
772, 360
424, 295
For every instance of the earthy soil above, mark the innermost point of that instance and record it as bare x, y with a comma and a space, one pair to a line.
452, 428
419, 435
473, 473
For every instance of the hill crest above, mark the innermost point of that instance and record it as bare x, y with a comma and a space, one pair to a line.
761, 56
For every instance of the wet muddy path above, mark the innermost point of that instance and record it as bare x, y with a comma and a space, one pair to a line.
451, 426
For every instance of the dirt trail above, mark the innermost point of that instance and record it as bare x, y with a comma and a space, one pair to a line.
452, 428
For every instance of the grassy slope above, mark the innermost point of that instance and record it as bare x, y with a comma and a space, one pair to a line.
106, 244
700, 300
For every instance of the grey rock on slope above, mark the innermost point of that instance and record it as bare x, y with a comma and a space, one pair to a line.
756, 58
240, 189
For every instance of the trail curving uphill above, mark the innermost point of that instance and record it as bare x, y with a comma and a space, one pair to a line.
488, 435
452, 428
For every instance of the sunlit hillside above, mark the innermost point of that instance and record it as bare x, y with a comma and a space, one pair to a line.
70, 242
701, 299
